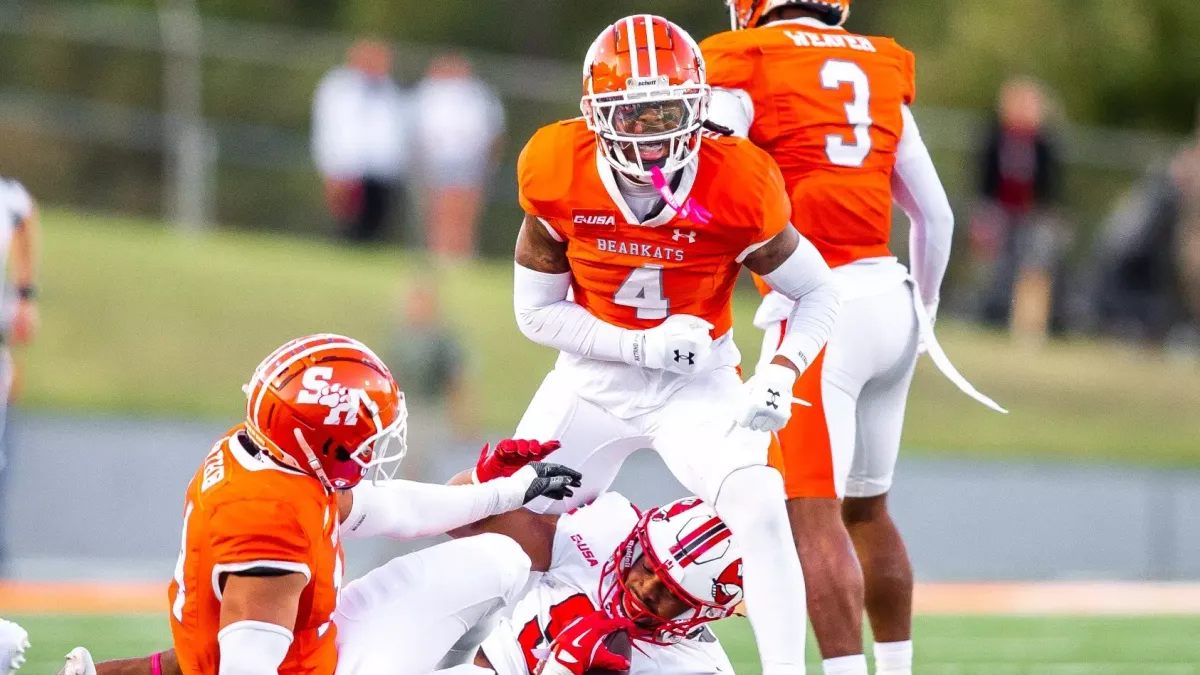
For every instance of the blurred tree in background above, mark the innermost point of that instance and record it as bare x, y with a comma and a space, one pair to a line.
1108, 62
1112, 61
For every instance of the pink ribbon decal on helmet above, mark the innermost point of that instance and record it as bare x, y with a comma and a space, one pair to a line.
690, 210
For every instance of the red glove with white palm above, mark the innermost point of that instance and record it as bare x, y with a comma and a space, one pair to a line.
581, 647
510, 456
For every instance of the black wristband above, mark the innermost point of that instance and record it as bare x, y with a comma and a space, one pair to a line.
28, 292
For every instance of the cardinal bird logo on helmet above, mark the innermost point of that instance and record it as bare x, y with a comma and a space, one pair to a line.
727, 587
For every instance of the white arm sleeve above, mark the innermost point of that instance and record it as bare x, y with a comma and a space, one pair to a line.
732, 108
805, 278
918, 190
402, 509
546, 316
252, 648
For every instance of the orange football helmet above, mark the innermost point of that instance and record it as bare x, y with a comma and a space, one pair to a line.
327, 405
748, 13
645, 95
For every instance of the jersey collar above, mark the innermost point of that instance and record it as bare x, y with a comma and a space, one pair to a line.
806, 21
609, 180
252, 463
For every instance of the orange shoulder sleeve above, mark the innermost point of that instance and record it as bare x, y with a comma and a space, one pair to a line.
545, 169
770, 200
906, 64
728, 60
259, 532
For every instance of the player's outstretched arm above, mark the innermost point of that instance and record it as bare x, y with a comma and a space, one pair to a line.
402, 509
792, 266
533, 532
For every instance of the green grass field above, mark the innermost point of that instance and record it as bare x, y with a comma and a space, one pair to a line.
141, 320
945, 645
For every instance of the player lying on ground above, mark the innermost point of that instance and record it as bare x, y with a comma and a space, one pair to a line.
639, 218
670, 570
257, 583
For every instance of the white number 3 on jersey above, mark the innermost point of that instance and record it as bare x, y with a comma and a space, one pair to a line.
858, 113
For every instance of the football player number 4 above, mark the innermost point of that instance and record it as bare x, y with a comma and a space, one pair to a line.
643, 289
835, 74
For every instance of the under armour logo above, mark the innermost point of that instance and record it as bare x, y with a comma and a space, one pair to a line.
680, 234
774, 402
690, 358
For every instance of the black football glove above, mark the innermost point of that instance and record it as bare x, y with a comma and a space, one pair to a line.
553, 480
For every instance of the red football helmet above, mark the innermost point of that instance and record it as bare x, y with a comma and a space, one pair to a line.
692, 552
748, 13
326, 405
645, 95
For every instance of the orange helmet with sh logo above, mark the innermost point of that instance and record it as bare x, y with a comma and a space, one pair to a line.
327, 405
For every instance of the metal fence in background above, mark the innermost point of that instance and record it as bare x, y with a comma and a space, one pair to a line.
206, 168
101, 498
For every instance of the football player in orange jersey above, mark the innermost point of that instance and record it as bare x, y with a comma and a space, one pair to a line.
638, 221
831, 108
258, 580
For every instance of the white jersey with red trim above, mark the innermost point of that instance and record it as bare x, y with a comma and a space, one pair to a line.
584, 540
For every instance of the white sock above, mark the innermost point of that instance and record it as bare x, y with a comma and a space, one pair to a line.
893, 658
751, 502
845, 665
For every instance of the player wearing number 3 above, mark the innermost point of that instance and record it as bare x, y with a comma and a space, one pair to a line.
831, 108
638, 220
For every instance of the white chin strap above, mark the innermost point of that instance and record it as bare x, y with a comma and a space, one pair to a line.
313, 462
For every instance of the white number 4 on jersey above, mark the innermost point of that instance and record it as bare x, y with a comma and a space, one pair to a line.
643, 289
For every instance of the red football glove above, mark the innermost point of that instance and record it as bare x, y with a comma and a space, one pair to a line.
580, 646
509, 456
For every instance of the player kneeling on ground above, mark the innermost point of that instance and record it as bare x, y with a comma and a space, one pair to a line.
257, 586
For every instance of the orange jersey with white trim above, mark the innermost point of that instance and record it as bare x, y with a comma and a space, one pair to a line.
244, 511
636, 275
827, 107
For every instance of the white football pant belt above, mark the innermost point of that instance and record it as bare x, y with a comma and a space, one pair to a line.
925, 333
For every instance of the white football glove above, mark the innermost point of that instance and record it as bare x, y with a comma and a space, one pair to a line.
681, 344
767, 398
14, 640
79, 662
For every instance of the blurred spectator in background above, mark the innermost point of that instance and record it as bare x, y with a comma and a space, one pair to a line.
20, 238
1148, 255
430, 364
460, 132
360, 142
1015, 227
